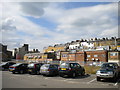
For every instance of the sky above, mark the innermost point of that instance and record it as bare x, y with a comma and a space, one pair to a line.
41, 24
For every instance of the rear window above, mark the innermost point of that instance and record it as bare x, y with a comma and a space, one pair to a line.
46, 65
64, 65
31, 65
108, 65
74, 65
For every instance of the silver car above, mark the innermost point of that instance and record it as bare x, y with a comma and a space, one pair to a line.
49, 69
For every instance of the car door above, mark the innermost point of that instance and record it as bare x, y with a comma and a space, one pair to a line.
26, 67
79, 68
117, 69
23, 67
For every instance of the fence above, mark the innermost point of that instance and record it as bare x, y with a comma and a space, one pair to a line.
82, 63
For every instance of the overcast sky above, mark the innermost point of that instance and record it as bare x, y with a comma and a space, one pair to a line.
41, 24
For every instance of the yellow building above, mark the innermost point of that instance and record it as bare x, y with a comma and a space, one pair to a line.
39, 56
55, 48
114, 43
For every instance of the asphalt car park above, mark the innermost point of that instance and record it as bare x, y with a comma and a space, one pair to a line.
39, 81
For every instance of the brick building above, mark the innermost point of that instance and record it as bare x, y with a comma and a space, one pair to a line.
114, 56
22, 51
80, 56
85, 56
64, 56
39, 56
5, 55
97, 55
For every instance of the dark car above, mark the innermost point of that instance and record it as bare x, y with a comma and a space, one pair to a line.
71, 69
19, 68
108, 71
34, 68
5, 65
49, 69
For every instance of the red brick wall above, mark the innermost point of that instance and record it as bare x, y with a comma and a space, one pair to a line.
80, 56
101, 56
63, 54
72, 56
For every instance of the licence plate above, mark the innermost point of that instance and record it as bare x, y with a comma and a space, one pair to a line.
11, 69
44, 70
63, 68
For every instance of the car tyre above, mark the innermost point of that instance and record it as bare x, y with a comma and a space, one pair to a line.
21, 71
61, 75
114, 79
83, 73
73, 74
13, 72
98, 78
37, 72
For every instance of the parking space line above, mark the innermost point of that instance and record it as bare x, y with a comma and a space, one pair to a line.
117, 82
91, 80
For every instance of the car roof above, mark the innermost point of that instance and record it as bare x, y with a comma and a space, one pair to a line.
69, 62
110, 63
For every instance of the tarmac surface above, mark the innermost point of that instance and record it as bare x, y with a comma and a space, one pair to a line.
10, 80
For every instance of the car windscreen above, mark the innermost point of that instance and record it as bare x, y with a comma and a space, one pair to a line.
16, 64
108, 65
45, 65
64, 65
31, 65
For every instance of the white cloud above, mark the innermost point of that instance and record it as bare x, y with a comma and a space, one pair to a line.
72, 24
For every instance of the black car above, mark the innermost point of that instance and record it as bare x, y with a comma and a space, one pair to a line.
34, 68
5, 65
49, 69
108, 71
19, 68
71, 70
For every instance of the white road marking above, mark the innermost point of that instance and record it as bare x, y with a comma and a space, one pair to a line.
91, 80
72, 82
117, 82
45, 78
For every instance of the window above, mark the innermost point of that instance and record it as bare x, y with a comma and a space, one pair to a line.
71, 55
74, 65
113, 54
88, 55
95, 55
64, 55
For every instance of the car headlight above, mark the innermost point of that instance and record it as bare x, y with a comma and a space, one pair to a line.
98, 72
110, 72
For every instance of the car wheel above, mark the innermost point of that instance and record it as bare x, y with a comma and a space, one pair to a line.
98, 78
83, 73
37, 72
61, 75
114, 79
21, 71
74, 75
13, 72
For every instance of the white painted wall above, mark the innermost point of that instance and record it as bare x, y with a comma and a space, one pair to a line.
87, 44
74, 46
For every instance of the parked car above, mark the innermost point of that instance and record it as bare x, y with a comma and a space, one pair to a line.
71, 69
5, 65
19, 68
108, 71
49, 69
34, 68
